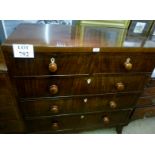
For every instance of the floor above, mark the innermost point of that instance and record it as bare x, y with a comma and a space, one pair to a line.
141, 126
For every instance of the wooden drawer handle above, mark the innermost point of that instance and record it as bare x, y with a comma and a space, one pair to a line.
128, 64
54, 109
106, 120
82, 116
85, 100
53, 89
113, 104
52, 66
120, 86
89, 81
55, 126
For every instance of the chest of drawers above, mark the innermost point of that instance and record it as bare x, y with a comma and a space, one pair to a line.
70, 88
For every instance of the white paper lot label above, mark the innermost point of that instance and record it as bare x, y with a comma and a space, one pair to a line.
139, 27
23, 51
96, 49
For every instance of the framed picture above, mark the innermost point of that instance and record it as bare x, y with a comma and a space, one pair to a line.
140, 28
110, 33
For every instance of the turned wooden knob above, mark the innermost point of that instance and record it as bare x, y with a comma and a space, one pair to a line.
53, 89
52, 65
54, 109
113, 104
85, 100
120, 86
89, 81
128, 64
82, 116
55, 126
106, 120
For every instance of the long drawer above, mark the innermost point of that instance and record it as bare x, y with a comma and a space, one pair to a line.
78, 121
58, 106
80, 63
74, 85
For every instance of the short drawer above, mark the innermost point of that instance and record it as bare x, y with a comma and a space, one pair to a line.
147, 100
80, 63
144, 112
47, 107
76, 85
77, 121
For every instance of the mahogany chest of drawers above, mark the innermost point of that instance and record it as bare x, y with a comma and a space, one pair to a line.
69, 87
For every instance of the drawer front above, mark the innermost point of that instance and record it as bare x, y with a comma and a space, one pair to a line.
80, 63
78, 121
7, 113
61, 86
144, 112
148, 100
60, 106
